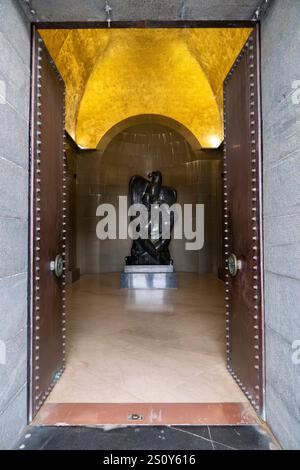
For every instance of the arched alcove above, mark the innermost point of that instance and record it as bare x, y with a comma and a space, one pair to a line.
113, 74
150, 119
140, 145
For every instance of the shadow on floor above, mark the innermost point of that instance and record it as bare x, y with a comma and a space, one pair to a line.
147, 438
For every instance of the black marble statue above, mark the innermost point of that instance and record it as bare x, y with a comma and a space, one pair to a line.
153, 250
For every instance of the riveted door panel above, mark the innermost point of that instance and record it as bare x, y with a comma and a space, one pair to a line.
47, 228
243, 224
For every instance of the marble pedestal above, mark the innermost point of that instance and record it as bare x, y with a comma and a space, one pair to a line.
149, 277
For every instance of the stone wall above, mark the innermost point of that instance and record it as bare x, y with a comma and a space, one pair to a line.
79, 10
281, 135
14, 118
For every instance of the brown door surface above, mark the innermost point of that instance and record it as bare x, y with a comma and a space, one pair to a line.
243, 228
47, 226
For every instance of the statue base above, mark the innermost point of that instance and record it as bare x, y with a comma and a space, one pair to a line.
149, 277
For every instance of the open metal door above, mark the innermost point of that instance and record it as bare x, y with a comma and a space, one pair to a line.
243, 223
47, 226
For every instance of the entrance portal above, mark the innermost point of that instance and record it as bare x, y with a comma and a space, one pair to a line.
129, 350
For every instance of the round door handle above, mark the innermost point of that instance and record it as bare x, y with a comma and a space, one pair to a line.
56, 266
234, 265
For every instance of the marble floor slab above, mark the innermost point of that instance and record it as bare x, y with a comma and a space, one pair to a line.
146, 438
146, 346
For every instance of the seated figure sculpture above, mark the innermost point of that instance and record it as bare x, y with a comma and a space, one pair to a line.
155, 249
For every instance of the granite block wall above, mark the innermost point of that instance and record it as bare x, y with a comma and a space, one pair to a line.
14, 129
76, 10
281, 136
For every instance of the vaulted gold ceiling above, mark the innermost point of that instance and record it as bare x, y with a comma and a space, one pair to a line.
114, 74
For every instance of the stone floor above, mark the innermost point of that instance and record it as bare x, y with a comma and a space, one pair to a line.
147, 438
146, 346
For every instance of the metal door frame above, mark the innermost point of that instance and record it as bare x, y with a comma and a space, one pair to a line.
256, 157
34, 217
143, 24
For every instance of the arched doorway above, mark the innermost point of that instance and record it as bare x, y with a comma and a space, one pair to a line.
115, 333
150, 120
146, 145
146, 346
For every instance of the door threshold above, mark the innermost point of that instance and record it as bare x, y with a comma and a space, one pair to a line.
120, 414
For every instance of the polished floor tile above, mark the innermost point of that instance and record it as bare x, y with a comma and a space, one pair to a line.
147, 438
146, 346
99, 414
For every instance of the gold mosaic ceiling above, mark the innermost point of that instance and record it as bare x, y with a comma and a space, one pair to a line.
114, 74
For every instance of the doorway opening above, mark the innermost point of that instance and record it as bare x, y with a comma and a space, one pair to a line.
139, 101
